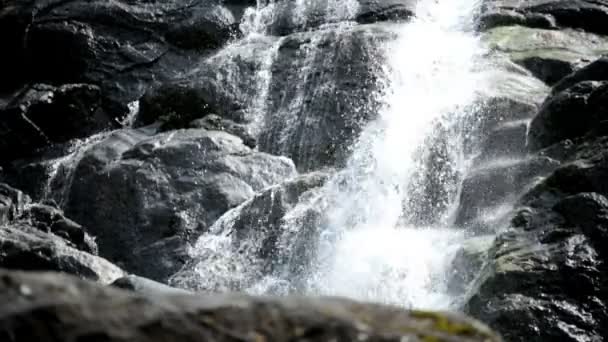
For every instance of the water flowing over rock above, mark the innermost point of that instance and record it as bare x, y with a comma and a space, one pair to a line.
443, 155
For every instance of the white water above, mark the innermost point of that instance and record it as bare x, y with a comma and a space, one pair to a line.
365, 248
367, 252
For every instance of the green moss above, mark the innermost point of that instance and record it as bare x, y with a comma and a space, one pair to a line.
446, 325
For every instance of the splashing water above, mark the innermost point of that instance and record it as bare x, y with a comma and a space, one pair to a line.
364, 246
366, 251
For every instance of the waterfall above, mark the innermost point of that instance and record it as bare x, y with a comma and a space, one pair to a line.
368, 250
362, 241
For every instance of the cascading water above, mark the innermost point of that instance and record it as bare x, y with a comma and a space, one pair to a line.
361, 241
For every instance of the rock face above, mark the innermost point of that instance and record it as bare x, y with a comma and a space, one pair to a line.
39, 237
154, 195
38, 307
545, 274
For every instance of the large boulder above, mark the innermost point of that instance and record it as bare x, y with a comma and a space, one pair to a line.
39, 307
569, 114
41, 115
155, 194
545, 276
121, 46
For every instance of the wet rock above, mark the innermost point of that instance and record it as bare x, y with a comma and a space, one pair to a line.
549, 55
498, 183
41, 115
587, 15
545, 277
52, 220
81, 310
569, 114
122, 46
261, 236
318, 99
23, 247
145, 286
155, 195
376, 10
12, 203
595, 71
214, 122
506, 140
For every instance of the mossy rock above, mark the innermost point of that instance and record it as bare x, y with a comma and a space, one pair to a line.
38, 306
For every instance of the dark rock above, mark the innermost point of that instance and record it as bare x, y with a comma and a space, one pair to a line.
498, 183
49, 219
145, 286
588, 15
214, 122
589, 212
377, 10
506, 140
547, 70
596, 71
42, 114
155, 195
545, 276
278, 246
174, 106
82, 311
12, 203
23, 247
318, 98
122, 46
205, 28
569, 114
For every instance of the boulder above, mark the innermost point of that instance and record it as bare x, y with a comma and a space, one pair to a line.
155, 194
121, 46
545, 276
79, 310
41, 115
269, 236
23, 247
569, 114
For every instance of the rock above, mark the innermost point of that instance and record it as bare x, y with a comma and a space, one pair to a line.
280, 241
79, 310
589, 211
122, 46
52, 220
42, 114
595, 71
549, 54
214, 122
545, 275
155, 194
23, 247
12, 203
304, 96
145, 286
283, 18
569, 114
498, 183
587, 15
504, 141
174, 106
376, 10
